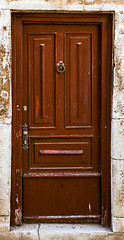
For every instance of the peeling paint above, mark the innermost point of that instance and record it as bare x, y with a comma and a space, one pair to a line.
19, 135
104, 214
17, 200
89, 207
18, 216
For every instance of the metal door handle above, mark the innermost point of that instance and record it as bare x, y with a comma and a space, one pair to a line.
60, 67
25, 136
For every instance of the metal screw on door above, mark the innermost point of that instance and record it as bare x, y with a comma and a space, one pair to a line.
60, 67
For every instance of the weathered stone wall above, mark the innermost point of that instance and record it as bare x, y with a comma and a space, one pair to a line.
117, 149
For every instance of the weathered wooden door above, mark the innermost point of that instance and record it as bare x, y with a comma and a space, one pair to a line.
61, 119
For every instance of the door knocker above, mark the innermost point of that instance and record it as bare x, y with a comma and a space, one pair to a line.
60, 67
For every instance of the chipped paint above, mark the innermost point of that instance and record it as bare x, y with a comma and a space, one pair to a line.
18, 216
19, 135
89, 206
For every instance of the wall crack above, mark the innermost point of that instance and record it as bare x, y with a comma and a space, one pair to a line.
38, 231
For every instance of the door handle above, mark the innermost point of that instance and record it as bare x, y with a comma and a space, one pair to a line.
60, 67
25, 136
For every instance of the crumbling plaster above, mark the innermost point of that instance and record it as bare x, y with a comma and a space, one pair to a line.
117, 132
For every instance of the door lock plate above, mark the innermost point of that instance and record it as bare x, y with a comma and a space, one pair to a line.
25, 136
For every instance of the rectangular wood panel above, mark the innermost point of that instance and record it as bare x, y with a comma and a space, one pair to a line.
79, 79
41, 79
57, 193
62, 154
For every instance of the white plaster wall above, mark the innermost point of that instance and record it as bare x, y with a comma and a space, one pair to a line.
117, 146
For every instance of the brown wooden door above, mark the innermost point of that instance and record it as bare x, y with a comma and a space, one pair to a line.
61, 169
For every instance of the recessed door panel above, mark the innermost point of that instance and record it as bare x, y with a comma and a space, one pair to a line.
79, 79
61, 153
51, 196
41, 79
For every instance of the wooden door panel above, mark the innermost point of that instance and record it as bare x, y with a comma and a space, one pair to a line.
79, 79
62, 196
41, 69
61, 154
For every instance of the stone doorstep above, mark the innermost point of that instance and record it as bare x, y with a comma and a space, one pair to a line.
61, 232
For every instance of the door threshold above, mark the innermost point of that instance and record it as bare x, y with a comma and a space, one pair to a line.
63, 227
60, 231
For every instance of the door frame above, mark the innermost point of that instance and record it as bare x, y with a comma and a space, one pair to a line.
105, 21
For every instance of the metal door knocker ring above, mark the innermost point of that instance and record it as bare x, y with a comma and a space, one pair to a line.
60, 67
